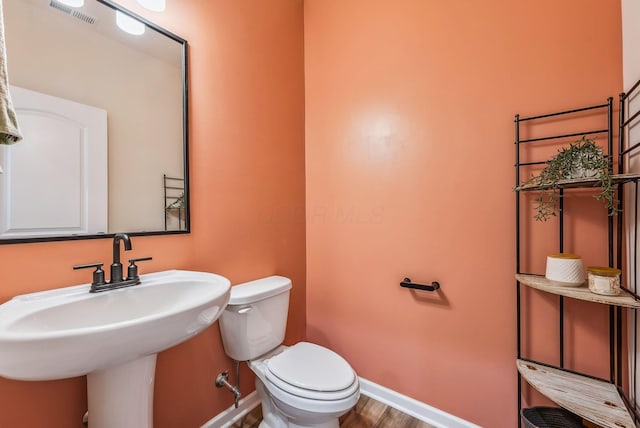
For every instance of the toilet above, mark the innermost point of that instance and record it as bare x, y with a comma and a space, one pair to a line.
300, 386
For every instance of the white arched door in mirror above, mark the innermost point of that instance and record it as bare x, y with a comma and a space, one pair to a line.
55, 179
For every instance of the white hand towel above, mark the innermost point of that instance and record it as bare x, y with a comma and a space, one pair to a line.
9, 130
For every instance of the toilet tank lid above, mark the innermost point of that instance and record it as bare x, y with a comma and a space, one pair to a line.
253, 291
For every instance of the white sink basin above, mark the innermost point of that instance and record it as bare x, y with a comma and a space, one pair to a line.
70, 332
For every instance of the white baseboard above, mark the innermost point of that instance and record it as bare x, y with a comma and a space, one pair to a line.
232, 415
407, 405
411, 407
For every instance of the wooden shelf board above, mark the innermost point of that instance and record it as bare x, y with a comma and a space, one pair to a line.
580, 182
595, 400
539, 282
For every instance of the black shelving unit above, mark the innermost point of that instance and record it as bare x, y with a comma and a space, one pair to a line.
607, 404
174, 201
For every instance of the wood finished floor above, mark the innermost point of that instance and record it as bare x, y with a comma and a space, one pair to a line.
368, 413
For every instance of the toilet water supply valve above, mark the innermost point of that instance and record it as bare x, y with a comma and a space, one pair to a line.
223, 380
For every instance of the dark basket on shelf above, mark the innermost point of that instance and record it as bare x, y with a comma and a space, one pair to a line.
549, 417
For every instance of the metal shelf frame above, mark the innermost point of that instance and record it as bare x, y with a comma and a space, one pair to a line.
615, 229
174, 193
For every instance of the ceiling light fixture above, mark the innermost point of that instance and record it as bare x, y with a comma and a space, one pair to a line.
154, 5
129, 24
73, 3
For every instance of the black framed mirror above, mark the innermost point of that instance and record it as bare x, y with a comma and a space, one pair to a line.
101, 98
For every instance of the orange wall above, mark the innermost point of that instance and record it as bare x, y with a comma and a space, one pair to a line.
409, 150
408, 119
247, 172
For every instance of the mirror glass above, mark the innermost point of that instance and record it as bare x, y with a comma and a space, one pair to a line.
101, 97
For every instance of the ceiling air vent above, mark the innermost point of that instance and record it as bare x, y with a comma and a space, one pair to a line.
72, 12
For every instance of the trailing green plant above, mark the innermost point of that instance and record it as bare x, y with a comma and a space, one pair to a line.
582, 159
178, 203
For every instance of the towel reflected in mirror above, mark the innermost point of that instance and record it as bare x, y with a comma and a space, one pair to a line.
9, 129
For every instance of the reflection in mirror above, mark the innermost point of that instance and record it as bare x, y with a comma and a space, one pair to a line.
103, 115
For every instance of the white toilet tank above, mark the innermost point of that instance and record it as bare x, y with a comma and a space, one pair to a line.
255, 320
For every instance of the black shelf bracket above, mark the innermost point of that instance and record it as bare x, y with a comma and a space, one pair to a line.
406, 283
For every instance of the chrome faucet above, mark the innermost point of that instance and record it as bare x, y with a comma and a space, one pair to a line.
116, 267
116, 280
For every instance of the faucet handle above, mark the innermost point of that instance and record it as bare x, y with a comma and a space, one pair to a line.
132, 270
98, 274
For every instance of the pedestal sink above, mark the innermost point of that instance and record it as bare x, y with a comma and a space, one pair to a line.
112, 337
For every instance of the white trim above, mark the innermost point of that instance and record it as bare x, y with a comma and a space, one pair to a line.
232, 415
411, 407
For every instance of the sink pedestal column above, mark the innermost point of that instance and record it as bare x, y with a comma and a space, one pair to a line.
122, 396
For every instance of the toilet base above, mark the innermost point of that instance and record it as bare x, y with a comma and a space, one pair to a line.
331, 424
272, 417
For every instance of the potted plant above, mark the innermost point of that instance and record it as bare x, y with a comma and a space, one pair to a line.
583, 159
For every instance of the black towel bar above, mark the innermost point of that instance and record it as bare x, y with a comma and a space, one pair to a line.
406, 283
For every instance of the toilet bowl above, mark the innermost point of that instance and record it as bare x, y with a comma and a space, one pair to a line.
303, 385
309, 384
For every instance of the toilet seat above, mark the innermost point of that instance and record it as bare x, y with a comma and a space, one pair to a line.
311, 371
